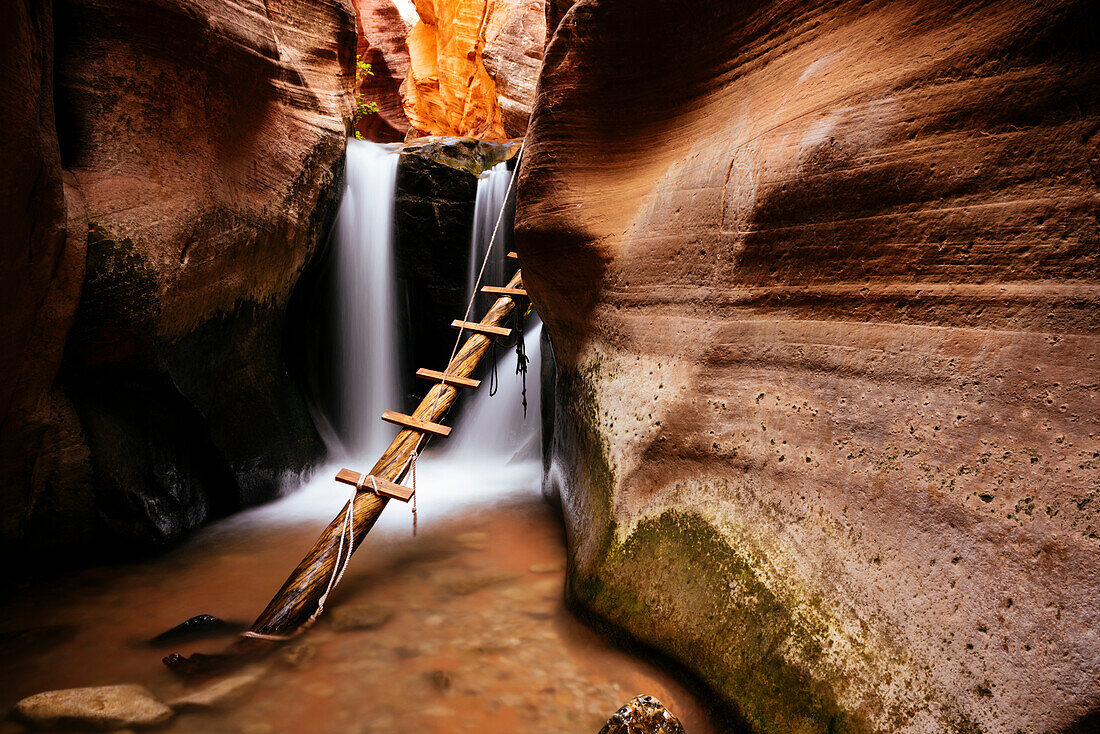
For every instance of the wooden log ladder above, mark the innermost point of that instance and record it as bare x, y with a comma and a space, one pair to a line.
294, 605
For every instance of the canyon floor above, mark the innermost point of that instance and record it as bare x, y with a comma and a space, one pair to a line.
463, 627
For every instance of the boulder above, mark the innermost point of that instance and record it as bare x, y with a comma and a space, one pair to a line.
100, 707
643, 715
821, 283
433, 222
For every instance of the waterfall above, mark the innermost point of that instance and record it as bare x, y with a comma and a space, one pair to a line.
494, 452
493, 427
492, 193
368, 382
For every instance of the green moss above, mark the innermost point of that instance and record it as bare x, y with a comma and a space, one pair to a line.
670, 585
677, 584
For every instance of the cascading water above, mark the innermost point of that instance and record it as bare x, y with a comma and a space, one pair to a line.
492, 195
494, 449
366, 312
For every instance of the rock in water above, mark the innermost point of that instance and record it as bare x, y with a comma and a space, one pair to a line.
643, 715
220, 694
346, 619
202, 625
100, 707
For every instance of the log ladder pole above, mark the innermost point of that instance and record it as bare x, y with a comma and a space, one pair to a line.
295, 605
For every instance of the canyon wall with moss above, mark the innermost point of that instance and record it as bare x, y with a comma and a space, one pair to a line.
179, 162
821, 281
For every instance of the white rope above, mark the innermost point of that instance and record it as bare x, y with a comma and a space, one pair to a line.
347, 531
347, 527
477, 283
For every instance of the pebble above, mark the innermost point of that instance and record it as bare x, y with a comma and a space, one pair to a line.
99, 707
643, 715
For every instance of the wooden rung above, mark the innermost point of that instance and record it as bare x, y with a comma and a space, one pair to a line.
407, 421
514, 255
481, 328
386, 488
448, 379
496, 290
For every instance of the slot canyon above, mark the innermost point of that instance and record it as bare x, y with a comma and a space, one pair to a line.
730, 367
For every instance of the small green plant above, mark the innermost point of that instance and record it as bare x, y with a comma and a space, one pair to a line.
362, 107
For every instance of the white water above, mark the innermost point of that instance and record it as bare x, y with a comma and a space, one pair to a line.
492, 191
494, 452
368, 376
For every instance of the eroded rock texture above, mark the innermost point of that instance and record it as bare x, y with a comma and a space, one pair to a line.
515, 35
821, 280
473, 68
204, 141
382, 31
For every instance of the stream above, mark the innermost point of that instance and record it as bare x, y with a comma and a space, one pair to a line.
462, 627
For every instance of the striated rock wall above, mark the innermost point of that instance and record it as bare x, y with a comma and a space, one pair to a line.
203, 142
41, 249
515, 35
473, 66
822, 285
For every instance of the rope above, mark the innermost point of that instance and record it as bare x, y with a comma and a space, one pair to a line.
412, 458
477, 283
347, 531
347, 527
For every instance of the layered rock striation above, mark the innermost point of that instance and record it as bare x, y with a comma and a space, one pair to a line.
473, 66
822, 285
381, 30
196, 160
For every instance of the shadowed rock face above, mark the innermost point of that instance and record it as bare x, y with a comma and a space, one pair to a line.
821, 282
204, 141
381, 44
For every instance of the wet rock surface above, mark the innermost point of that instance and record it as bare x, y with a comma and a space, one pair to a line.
643, 715
196, 628
433, 221
100, 707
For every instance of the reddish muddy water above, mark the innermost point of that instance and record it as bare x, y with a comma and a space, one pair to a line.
462, 628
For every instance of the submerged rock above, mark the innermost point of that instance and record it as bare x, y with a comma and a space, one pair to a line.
219, 694
100, 707
198, 627
347, 619
643, 715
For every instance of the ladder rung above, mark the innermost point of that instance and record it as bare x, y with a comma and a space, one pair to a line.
386, 488
481, 328
428, 374
496, 290
514, 255
415, 424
